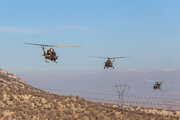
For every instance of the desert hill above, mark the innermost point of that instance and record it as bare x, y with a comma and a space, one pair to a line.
20, 101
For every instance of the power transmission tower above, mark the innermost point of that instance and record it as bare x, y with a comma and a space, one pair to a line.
120, 90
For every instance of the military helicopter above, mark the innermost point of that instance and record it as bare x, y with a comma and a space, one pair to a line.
157, 85
109, 62
50, 54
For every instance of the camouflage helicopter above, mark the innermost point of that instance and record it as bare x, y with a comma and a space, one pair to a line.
50, 54
157, 85
109, 62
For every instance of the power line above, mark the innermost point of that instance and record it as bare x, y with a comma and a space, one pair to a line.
107, 94
122, 99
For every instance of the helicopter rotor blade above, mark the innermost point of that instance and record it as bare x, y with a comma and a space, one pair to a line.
108, 57
98, 57
67, 46
119, 57
148, 80
42, 45
162, 82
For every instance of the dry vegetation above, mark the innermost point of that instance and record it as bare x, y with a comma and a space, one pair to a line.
19, 101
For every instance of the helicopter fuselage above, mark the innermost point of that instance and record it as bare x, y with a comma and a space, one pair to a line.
50, 54
157, 85
108, 64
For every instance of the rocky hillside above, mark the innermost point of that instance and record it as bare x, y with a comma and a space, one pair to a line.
20, 101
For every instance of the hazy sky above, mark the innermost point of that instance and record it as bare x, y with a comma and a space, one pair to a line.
146, 31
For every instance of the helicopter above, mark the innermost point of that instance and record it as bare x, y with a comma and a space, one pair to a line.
109, 62
157, 85
50, 54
